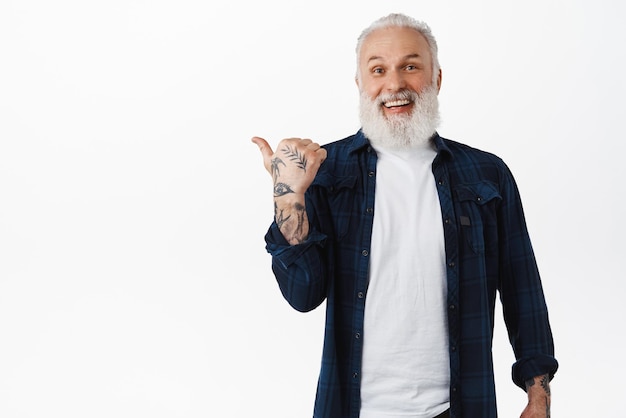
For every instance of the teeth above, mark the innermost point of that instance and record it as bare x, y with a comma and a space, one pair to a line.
397, 103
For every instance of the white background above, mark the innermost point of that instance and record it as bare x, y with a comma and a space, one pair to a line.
133, 276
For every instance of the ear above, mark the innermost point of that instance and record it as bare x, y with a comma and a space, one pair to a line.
439, 81
356, 80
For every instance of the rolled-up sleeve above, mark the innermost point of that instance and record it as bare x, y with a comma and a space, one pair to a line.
299, 269
521, 292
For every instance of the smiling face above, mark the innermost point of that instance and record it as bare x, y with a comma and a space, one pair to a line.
393, 60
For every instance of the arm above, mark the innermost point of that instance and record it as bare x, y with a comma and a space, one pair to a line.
538, 389
523, 302
297, 261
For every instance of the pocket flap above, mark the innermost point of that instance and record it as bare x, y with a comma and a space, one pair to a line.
480, 193
334, 183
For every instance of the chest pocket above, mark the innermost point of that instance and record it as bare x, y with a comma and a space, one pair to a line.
339, 195
477, 215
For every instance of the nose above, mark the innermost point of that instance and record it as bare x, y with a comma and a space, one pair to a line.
395, 80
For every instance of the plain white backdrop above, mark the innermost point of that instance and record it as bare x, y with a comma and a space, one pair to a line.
133, 276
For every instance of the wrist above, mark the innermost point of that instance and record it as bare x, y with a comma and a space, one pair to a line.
289, 199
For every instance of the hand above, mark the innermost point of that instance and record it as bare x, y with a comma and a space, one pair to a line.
294, 164
536, 410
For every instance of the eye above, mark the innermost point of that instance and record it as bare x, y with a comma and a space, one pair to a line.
377, 70
281, 189
411, 67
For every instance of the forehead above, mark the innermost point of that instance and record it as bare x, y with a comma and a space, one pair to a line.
395, 42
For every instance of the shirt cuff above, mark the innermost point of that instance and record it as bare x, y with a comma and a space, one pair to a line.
530, 367
287, 254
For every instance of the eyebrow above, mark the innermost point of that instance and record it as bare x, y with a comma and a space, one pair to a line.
410, 56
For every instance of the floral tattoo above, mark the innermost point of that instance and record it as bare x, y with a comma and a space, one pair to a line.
296, 156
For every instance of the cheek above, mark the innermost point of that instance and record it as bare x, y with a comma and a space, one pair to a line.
423, 82
415, 86
371, 89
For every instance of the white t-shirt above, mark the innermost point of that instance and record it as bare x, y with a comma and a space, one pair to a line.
406, 366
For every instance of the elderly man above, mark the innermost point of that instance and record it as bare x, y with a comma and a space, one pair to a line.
408, 237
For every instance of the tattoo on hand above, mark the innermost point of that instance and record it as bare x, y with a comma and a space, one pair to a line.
295, 156
281, 189
276, 167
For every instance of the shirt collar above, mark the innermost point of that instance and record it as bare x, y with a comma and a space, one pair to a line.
360, 141
441, 146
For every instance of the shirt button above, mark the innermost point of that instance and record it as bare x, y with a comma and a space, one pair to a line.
447, 220
452, 307
369, 210
454, 389
357, 335
479, 199
441, 182
360, 295
365, 253
451, 264
355, 375
453, 348
371, 174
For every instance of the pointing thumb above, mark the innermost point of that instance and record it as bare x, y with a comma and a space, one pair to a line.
266, 151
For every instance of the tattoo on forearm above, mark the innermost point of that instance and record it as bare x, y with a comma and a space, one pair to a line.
279, 215
295, 156
545, 384
294, 228
281, 189
299, 228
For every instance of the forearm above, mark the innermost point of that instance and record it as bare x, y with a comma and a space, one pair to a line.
539, 398
291, 218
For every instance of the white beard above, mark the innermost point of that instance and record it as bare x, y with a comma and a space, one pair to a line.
405, 130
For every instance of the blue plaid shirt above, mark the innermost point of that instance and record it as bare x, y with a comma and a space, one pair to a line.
487, 250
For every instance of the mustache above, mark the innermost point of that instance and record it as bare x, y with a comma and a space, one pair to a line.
404, 94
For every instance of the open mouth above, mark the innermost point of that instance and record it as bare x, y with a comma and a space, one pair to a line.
396, 103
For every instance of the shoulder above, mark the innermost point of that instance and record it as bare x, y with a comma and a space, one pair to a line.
466, 158
466, 154
345, 145
342, 156
468, 165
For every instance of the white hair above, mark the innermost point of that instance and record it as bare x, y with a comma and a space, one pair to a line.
398, 20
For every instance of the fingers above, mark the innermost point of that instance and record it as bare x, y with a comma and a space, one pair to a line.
303, 142
323, 154
267, 151
264, 147
299, 143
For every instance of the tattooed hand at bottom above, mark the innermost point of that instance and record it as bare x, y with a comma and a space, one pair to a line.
293, 167
538, 390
